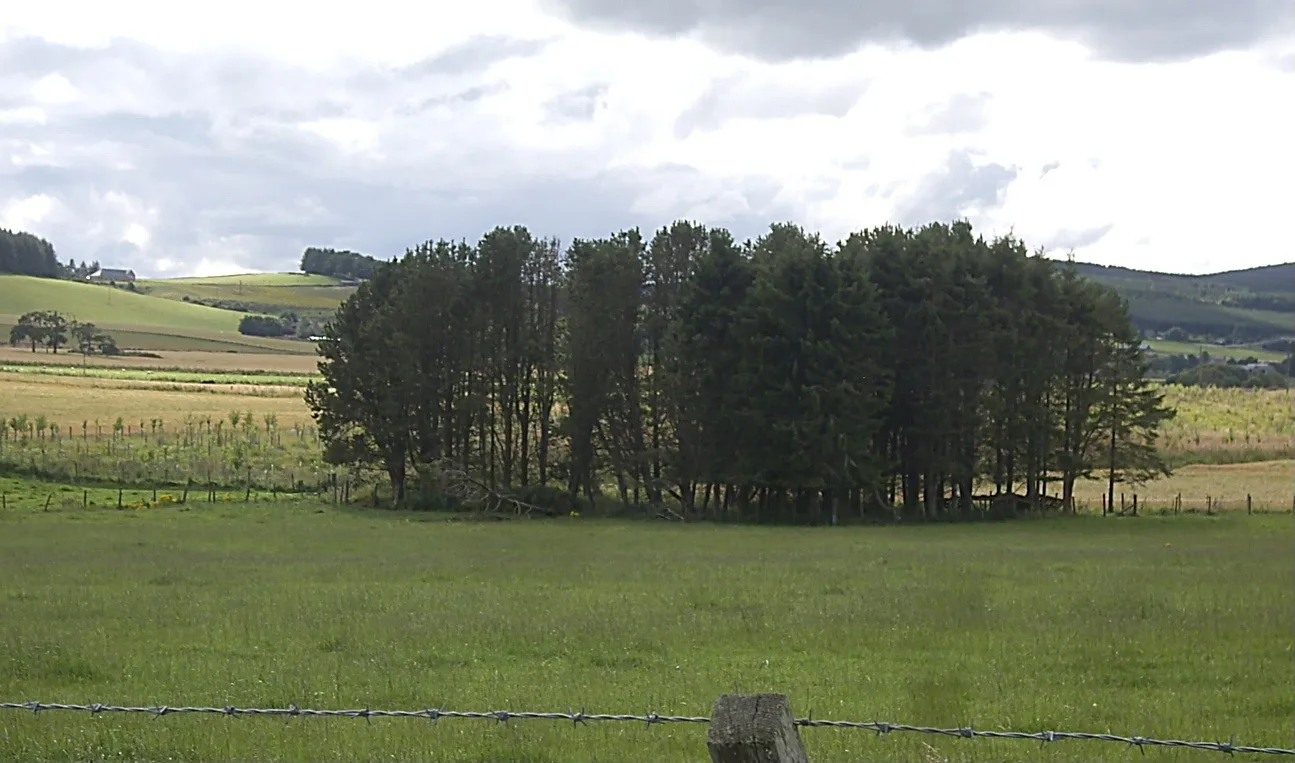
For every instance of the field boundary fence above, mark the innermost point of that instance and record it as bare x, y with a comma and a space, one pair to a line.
741, 728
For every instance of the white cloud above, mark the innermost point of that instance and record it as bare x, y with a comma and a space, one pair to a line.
202, 143
27, 213
54, 89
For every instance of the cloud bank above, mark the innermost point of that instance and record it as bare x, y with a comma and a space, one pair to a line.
1149, 135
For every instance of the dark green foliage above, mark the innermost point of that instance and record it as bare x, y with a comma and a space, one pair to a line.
25, 254
40, 327
338, 264
901, 371
89, 340
1232, 375
265, 325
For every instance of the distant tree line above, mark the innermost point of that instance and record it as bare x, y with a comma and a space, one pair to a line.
266, 325
51, 330
25, 254
338, 264
1234, 373
783, 379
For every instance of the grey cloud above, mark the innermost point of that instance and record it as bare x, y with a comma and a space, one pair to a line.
465, 96
964, 112
960, 189
778, 30
1049, 167
474, 55
1078, 239
215, 173
745, 96
576, 105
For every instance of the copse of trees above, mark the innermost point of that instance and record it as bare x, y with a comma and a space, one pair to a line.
781, 379
338, 264
24, 254
265, 325
52, 330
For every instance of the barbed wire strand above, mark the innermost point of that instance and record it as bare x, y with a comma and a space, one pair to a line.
503, 716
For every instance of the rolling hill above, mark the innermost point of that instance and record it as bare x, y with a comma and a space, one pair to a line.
135, 320
273, 293
1240, 305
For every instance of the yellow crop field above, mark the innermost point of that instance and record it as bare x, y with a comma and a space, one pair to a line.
1222, 487
246, 362
68, 401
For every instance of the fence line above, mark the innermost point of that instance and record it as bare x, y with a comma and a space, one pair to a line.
577, 718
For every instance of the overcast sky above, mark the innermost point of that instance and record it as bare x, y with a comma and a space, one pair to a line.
195, 137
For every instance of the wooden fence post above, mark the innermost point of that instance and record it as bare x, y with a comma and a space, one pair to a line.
757, 729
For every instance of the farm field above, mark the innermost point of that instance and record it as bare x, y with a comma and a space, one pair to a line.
1217, 487
1236, 352
69, 400
161, 375
1224, 444
135, 320
1167, 627
179, 360
1220, 424
268, 290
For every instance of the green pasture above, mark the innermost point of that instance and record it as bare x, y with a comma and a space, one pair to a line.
1237, 352
106, 306
135, 320
1166, 627
272, 292
249, 279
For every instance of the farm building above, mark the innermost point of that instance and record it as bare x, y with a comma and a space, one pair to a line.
111, 274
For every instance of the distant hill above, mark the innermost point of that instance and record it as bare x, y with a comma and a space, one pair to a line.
135, 320
1248, 305
255, 292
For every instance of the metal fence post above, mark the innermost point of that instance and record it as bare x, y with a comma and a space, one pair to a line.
757, 729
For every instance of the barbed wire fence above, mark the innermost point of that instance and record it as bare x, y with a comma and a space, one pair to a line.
582, 717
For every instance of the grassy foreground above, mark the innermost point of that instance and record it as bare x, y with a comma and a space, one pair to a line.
1171, 627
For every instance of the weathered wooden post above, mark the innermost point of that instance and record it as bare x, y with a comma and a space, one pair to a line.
757, 729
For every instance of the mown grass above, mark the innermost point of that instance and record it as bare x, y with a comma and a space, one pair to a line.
178, 360
1173, 627
160, 375
136, 320
106, 306
247, 279
270, 291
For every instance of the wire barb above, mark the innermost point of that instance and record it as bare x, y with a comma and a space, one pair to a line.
650, 718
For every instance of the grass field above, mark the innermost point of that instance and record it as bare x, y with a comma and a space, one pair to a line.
70, 400
179, 360
272, 291
105, 305
1238, 352
135, 320
161, 375
1174, 627
1212, 420
250, 279
1222, 487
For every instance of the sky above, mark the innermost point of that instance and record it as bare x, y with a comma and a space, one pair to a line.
203, 138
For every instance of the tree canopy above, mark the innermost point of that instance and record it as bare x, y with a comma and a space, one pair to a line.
25, 254
913, 372
338, 264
